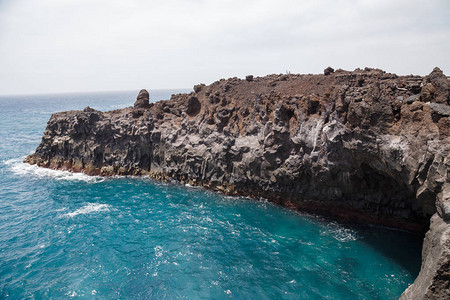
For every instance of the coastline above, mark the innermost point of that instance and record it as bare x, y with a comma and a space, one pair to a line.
365, 146
343, 214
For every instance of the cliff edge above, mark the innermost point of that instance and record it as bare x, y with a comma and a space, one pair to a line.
363, 146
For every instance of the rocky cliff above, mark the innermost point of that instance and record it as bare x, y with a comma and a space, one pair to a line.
361, 146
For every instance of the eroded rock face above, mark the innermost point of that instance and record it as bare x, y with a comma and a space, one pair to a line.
193, 106
433, 281
361, 146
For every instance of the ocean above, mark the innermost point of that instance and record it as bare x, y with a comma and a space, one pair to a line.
66, 235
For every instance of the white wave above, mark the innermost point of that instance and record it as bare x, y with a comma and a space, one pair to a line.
17, 166
341, 234
72, 294
89, 208
345, 235
11, 161
292, 281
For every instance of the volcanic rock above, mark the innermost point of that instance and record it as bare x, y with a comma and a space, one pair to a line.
440, 86
193, 106
344, 146
142, 100
328, 71
198, 87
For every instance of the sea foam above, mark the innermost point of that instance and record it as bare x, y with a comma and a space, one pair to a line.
341, 233
89, 208
17, 166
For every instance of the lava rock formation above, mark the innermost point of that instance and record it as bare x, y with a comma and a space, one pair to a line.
363, 146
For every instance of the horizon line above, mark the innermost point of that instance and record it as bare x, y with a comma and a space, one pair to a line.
85, 92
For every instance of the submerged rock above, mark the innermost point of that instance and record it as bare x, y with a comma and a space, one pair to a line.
348, 146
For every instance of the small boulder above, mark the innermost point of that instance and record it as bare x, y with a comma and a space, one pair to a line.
328, 71
411, 99
428, 93
249, 78
439, 82
198, 87
89, 109
284, 77
441, 109
142, 100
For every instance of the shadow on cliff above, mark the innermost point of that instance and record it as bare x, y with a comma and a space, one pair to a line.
399, 248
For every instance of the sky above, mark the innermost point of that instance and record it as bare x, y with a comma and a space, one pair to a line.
53, 46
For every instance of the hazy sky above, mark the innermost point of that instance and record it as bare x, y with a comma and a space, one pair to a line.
49, 46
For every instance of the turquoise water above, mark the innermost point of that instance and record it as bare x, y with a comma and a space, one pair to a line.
65, 235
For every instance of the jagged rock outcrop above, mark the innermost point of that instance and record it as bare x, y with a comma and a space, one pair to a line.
361, 146
142, 100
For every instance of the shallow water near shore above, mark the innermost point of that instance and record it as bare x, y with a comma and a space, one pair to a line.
71, 235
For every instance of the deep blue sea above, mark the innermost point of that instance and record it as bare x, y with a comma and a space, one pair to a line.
65, 235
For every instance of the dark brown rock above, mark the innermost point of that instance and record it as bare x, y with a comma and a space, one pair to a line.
428, 93
193, 106
198, 87
328, 71
142, 100
249, 78
439, 82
